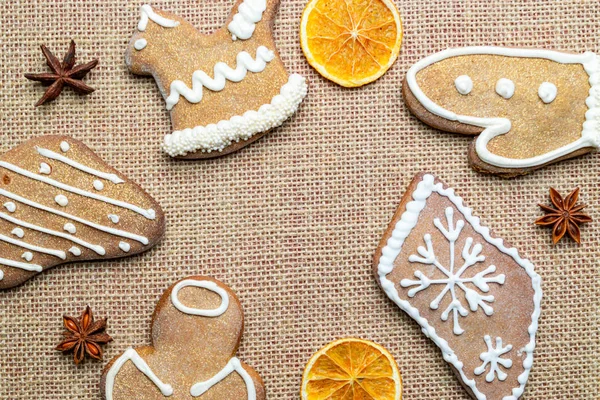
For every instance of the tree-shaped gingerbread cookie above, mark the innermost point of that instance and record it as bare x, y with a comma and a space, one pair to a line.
196, 331
224, 90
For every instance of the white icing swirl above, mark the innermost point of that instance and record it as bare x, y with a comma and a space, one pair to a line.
464, 84
244, 21
215, 137
505, 88
222, 73
547, 92
148, 14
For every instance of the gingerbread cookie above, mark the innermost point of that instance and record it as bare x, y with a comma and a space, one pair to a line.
474, 296
196, 331
61, 203
529, 107
224, 90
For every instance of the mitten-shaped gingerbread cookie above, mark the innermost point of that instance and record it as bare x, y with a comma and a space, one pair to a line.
196, 330
61, 203
529, 107
225, 90
474, 296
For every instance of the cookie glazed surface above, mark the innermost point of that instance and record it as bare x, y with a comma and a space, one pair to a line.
532, 107
61, 203
224, 90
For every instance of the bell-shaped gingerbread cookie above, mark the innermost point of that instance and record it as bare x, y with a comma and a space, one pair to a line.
196, 331
529, 107
474, 296
60, 203
224, 90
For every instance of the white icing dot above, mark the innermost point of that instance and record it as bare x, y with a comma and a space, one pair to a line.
45, 169
64, 146
505, 88
10, 206
547, 92
61, 200
125, 247
464, 84
140, 44
69, 227
27, 256
114, 218
18, 232
75, 251
98, 185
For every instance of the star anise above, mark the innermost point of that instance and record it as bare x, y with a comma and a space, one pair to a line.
63, 74
83, 336
565, 216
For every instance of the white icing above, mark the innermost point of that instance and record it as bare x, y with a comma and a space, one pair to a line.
393, 248
112, 231
126, 247
81, 167
113, 218
505, 88
463, 84
140, 44
76, 251
547, 92
45, 169
453, 278
61, 200
141, 365
215, 137
98, 185
97, 249
64, 147
43, 250
150, 214
148, 14
492, 357
244, 21
18, 264
10, 206
27, 256
590, 136
222, 72
18, 232
69, 227
209, 285
234, 365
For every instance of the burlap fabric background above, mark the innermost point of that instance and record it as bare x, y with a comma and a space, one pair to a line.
291, 222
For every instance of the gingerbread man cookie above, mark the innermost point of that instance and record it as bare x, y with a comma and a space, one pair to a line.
471, 293
196, 331
61, 203
224, 90
529, 107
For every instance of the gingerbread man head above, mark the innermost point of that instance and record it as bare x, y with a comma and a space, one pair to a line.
196, 330
224, 90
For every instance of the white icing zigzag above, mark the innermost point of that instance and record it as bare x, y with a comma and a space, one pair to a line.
215, 137
222, 72
244, 21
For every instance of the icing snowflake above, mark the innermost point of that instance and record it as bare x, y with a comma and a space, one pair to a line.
453, 280
492, 357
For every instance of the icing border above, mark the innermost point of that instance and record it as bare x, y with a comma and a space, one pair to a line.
393, 247
215, 137
590, 135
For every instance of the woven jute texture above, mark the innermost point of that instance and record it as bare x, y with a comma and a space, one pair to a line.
291, 222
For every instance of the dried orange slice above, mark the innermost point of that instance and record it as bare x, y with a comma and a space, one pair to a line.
351, 42
352, 369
